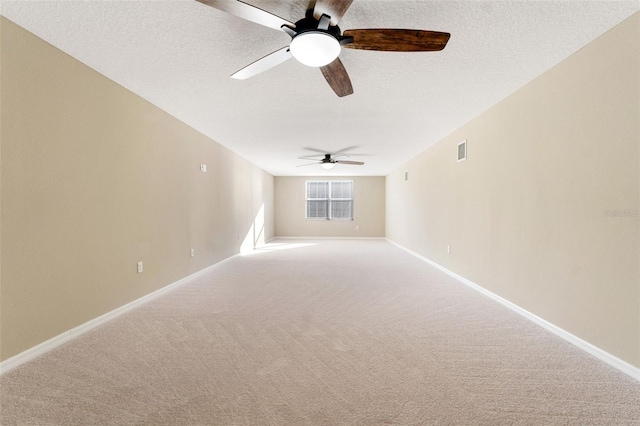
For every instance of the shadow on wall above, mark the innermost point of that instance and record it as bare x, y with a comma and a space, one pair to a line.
255, 237
254, 242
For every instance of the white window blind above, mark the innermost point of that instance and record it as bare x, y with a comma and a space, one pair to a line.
329, 200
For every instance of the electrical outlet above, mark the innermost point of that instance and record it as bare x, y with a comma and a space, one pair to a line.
140, 268
193, 252
203, 168
448, 249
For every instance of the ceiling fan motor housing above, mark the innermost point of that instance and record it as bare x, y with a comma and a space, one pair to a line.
314, 42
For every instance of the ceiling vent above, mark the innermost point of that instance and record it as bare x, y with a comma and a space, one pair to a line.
462, 150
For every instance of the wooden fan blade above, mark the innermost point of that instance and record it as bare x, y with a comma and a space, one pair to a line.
395, 40
337, 77
248, 12
356, 163
263, 64
334, 8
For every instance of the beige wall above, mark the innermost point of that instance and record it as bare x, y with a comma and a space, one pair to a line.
368, 209
95, 179
527, 214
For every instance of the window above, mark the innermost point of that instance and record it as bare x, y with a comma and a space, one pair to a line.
331, 200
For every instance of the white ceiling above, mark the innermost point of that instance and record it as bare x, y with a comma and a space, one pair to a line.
179, 55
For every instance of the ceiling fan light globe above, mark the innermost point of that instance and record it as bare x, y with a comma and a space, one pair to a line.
315, 48
327, 165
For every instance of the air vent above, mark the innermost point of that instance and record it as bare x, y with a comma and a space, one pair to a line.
462, 150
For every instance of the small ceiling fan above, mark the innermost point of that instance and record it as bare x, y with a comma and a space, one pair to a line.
316, 39
328, 162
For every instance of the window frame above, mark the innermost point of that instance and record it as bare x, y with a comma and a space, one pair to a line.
328, 199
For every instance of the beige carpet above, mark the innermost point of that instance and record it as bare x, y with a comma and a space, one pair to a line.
334, 333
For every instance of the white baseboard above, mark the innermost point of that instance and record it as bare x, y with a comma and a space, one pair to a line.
56, 341
602, 355
328, 238
19, 359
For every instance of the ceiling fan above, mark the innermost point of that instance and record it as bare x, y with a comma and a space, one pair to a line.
328, 162
316, 39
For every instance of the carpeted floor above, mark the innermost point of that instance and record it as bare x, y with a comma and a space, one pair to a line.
329, 332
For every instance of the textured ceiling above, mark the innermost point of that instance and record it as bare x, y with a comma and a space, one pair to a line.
179, 55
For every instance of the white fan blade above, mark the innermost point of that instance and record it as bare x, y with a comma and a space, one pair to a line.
263, 64
249, 12
334, 8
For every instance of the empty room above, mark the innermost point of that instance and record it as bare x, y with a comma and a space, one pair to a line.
319, 212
